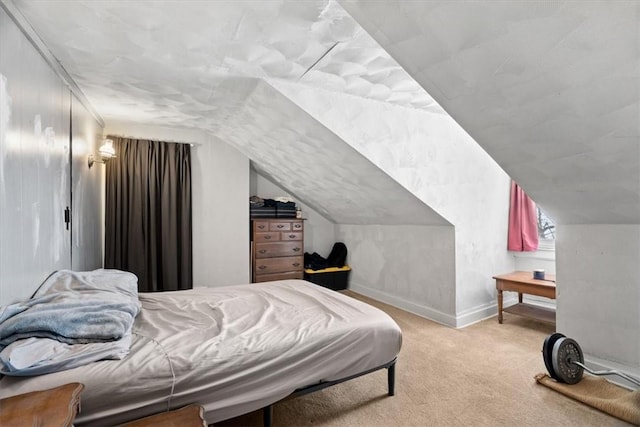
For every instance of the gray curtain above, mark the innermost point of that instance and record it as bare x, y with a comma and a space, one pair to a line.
148, 213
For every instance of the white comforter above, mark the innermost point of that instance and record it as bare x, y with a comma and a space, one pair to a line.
232, 349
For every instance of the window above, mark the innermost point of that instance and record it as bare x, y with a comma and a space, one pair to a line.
546, 227
546, 231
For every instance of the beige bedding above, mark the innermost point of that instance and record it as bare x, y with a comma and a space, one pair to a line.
233, 350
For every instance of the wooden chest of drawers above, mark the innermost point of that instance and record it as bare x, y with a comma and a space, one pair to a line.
277, 249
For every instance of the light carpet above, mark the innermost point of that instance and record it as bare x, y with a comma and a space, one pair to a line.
481, 375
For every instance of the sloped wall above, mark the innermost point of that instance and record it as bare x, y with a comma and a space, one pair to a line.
298, 153
410, 266
431, 156
549, 90
319, 232
552, 94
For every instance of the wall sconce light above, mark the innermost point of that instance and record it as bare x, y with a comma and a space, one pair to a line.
106, 152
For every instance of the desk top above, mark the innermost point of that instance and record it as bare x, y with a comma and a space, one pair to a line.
527, 277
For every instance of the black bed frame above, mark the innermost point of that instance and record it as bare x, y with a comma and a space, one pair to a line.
267, 411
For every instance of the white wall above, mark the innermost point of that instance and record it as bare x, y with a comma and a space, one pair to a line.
598, 294
46, 135
88, 191
541, 259
319, 232
221, 215
34, 166
409, 266
220, 186
529, 261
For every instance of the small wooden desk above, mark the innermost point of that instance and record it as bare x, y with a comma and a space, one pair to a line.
523, 282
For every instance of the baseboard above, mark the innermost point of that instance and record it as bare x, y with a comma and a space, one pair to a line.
467, 318
482, 312
420, 310
597, 364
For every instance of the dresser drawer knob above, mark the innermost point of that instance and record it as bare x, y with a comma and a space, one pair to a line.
263, 251
296, 264
261, 227
280, 226
292, 236
296, 249
262, 267
267, 237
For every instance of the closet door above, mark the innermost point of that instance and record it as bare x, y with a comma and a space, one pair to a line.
34, 167
86, 190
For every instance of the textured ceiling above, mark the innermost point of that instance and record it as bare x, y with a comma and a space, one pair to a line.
179, 62
315, 165
550, 89
204, 65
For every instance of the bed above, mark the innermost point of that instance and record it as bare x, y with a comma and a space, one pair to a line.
231, 349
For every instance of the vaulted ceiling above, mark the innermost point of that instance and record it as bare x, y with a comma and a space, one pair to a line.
549, 89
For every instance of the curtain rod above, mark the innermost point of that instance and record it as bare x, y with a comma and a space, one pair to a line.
193, 144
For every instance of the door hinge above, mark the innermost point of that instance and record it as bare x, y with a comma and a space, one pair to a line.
67, 216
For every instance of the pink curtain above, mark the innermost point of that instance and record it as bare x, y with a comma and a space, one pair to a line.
523, 226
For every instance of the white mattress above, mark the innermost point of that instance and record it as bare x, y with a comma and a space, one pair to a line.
233, 350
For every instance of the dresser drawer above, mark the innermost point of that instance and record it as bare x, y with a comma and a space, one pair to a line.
260, 226
279, 226
278, 276
277, 249
273, 236
278, 265
270, 250
290, 235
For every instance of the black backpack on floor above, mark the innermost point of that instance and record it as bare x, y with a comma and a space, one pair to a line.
338, 255
314, 261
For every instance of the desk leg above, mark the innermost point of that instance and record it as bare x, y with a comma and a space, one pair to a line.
520, 297
500, 306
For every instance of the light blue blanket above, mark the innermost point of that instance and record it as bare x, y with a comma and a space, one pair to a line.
75, 307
